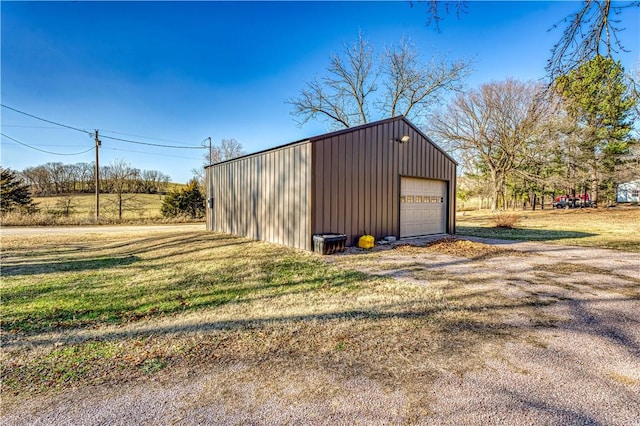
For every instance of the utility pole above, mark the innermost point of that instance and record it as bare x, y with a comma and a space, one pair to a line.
210, 153
204, 146
97, 177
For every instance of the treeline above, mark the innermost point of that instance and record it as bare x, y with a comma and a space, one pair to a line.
521, 143
52, 179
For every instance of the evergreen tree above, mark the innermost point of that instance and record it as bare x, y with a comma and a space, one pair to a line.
600, 104
14, 194
188, 201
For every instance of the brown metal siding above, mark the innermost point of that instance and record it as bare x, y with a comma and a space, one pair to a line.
265, 196
357, 174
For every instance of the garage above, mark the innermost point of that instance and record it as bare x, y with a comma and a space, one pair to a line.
384, 178
423, 207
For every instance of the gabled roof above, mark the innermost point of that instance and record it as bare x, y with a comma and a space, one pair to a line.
387, 120
341, 132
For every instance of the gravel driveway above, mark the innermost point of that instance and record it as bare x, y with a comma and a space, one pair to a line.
580, 367
582, 370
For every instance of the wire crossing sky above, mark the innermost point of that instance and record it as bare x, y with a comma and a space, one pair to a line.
175, 73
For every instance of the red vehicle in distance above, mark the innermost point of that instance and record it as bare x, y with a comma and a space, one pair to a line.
571, 202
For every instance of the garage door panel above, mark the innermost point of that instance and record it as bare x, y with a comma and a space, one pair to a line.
423, 207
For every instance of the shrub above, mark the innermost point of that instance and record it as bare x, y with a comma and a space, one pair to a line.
188, 201
505, 220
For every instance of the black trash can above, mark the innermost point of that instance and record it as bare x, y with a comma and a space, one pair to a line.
329, 243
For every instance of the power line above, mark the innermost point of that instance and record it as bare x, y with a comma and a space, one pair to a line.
143, 137
106, 137
45, 120
65, 146
152, 144
30, 127
42, 150
149, 153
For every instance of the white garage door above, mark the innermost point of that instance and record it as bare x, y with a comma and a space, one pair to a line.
423, 207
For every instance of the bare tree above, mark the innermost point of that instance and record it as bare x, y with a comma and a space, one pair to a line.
154, 181
436, 8
58, 178
86, 173
591, 31
58, 174
49, 178
227, 150
341, 97
119, 176
348, 94
494, 128
38, 180
411, 87
74, 178
66, 203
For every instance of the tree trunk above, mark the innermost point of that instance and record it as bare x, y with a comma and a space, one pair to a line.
494, 200
497, 190
594, 183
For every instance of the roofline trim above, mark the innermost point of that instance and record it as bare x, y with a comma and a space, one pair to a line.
275, 148
438, 147
340, 132
385, 121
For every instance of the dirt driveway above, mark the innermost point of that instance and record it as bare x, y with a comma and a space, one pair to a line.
577, 363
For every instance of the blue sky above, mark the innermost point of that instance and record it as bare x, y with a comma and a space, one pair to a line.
179, 72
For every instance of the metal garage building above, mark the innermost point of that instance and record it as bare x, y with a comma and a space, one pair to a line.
383, 178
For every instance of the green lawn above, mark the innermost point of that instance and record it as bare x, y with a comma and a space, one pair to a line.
56, 284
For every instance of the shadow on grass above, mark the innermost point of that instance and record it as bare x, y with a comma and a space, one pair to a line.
520, 234
486, 326
130, 252
189, 292
33, 268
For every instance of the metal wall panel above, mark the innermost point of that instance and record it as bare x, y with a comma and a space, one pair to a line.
356, 179
265, 196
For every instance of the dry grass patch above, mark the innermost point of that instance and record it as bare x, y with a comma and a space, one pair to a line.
79, 209
621, 378
571, 268
588, 277
459, 248
398, 346
505, 220
616, 228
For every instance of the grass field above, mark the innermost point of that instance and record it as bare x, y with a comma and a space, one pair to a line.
616, 228
105, 308
137, 208
111, 308
135, 205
